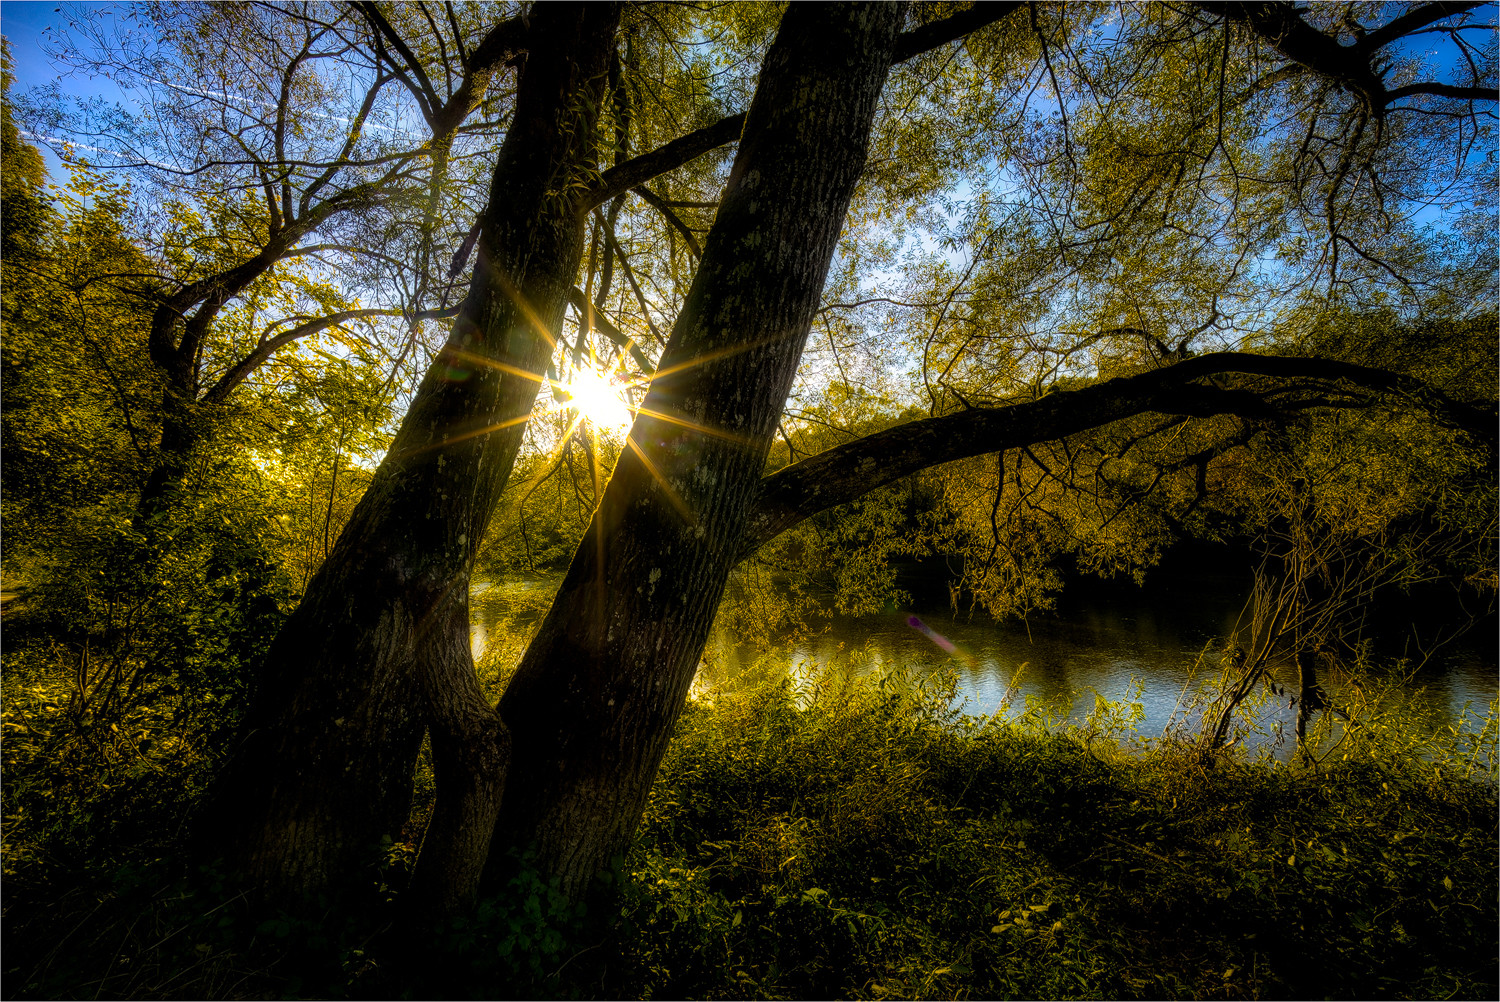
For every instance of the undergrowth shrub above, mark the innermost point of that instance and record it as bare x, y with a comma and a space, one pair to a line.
121, 696
844, 834
843, 831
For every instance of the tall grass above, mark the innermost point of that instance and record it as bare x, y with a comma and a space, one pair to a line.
829, 831
850, 835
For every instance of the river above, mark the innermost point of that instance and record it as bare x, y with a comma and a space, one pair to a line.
1144, 646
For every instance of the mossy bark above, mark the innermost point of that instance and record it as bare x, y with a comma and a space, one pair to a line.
378, 650
592, 704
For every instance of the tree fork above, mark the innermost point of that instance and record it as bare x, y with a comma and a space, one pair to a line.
592, 704
380, 642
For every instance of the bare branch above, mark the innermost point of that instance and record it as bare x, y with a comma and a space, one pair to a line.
238, 372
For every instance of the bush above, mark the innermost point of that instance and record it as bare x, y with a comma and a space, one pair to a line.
843, 832
851, 838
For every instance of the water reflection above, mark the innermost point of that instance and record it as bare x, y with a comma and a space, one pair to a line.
1150, 647
1123, 648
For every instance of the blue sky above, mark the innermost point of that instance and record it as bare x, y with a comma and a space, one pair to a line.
25, 23
30, 26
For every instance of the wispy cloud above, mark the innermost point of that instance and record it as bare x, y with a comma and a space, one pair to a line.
74, 145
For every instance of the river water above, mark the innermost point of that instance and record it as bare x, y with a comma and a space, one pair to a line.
1151, 647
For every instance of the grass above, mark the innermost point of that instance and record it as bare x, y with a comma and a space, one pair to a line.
849, 835
864, 842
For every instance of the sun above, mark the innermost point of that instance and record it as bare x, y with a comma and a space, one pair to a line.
599, 399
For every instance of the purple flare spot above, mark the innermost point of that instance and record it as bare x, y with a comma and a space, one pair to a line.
931, 634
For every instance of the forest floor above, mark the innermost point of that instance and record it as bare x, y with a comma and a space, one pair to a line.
850, 838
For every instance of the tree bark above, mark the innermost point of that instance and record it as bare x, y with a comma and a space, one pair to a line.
852, 470
379, 647
592, 704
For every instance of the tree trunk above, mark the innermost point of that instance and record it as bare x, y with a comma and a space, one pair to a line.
182, 429
470, 752
325, 767
1311, 698
592, 705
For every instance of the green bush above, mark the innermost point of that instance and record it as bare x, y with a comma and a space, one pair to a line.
844, 833
852, 838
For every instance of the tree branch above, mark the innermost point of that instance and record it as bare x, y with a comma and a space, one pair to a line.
1281, 26
657, 203
422, 90
502, 44
580, 302
1413, 20
685, 149
1442, 90
950, 29
238, 372
849, 471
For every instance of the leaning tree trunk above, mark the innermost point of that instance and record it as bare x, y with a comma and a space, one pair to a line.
593, 702
378, 650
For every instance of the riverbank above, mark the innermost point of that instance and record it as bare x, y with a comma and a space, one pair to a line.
865, 846
852, 837
1154, 647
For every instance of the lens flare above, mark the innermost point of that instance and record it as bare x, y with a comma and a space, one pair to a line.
944, 644
599, 400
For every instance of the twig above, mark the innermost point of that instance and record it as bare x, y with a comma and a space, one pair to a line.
1146, 852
